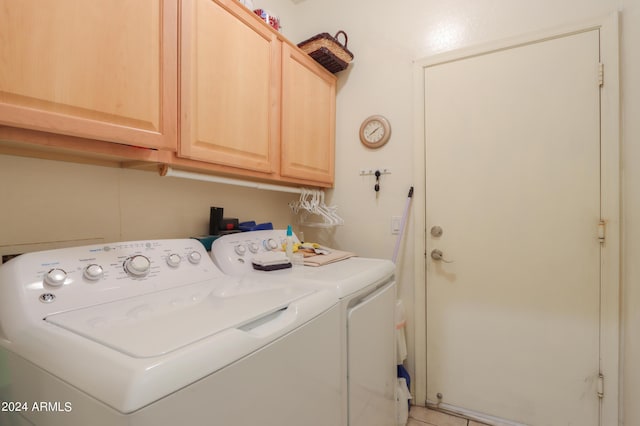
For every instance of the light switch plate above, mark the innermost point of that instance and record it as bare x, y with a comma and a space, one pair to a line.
396, 221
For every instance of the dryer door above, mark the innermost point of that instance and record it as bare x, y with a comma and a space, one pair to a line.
371, 359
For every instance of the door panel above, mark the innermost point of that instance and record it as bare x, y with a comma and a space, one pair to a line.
229, 96
308, 118
97, 70
513, 179
372, 360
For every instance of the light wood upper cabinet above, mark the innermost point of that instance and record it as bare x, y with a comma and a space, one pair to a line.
230, 87
308, 118
205, 83
250, 99
102, 70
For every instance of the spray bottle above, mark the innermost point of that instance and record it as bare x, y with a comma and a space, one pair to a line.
289, 244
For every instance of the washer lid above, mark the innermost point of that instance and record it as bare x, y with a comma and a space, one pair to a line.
158, 323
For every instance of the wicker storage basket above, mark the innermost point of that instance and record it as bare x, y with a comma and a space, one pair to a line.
328, 51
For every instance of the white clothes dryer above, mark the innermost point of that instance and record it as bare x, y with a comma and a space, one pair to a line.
153, 333
366, 289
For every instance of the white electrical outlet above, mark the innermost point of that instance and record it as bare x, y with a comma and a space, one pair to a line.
396, 221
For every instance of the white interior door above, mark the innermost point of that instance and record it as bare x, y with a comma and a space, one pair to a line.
513, 179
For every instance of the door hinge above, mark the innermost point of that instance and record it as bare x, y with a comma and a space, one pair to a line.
600, 386
601, 74
601, 231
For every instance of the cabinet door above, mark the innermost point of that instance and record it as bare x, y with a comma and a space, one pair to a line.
95, 69
230, 86
308, 118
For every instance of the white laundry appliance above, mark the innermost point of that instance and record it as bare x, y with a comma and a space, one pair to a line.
153, 333
366, 289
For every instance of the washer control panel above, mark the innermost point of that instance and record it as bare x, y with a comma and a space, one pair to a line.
69, 278
232, 253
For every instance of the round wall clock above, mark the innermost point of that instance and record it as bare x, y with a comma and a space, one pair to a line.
375, 131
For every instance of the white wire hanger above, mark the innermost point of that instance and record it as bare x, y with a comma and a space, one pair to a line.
313, 211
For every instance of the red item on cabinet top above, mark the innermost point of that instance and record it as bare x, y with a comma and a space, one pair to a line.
269, 18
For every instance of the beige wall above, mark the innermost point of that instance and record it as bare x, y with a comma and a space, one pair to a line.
50, 203
385, 38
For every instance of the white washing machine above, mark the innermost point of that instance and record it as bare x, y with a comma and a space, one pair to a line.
366, 289
153, 333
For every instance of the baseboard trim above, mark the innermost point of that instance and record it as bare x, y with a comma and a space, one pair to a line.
472, 415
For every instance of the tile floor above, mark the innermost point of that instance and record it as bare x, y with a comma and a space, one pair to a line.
420, 416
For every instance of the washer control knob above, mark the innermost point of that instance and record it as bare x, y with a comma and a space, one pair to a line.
93, 272
240, 249
194, 257
253, 247
137, 265
174, 260
55, 277
271, 244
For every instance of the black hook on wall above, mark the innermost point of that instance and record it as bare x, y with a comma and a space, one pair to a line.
377, 173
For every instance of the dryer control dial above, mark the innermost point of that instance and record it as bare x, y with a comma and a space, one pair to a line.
174, 260
137, 266
254, 247
93, 272
271, 244
55, 277
194, 257
240, 249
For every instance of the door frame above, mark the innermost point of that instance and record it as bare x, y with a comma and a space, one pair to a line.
608, 27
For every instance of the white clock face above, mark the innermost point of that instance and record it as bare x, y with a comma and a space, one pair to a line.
373, 131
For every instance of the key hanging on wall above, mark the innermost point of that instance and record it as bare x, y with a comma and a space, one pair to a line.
377, 173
